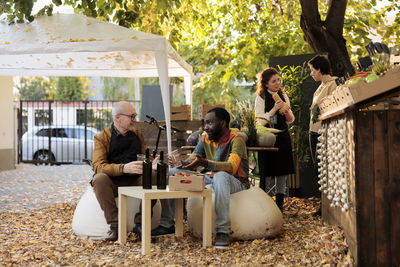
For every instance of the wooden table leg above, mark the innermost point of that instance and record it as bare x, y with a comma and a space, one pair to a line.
121, 218
207, 220
179, 217
146, 226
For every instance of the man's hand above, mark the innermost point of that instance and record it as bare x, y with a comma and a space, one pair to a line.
134, 167
197, 162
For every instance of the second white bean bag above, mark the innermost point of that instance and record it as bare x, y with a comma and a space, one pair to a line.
253, 215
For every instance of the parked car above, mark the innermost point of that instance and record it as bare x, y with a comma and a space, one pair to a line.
67, 143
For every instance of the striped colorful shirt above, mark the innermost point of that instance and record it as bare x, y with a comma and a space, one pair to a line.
229, 154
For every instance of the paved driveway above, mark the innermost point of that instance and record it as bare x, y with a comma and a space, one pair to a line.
30, 186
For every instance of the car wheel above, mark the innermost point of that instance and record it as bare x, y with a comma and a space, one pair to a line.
43, 156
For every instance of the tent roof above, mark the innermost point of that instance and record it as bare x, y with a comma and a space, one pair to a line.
76, 45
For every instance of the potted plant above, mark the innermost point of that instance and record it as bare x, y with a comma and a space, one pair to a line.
247, 117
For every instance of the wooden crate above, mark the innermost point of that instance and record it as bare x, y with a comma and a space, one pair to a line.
327, 104
204, 108
343, 96
362, 91
181, 113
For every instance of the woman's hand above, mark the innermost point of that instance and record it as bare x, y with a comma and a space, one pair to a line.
278, 105
284, 109
288, 116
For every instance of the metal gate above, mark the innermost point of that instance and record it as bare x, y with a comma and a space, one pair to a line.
59, 132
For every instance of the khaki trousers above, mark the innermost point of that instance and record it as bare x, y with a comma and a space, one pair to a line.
106, 190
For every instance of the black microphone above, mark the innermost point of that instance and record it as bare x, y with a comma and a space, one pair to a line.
152, 119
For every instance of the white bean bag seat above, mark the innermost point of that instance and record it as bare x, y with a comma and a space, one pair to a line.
253, 215
89, 220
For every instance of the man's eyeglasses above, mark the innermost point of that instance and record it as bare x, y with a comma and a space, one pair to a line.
133, 116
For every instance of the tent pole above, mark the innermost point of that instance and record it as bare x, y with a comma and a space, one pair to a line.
188, 89
137, 94
162, 67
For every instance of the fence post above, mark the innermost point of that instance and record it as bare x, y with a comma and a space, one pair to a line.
20, 132
86, 102
50, 133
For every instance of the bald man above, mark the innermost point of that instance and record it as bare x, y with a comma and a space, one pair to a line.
115, 163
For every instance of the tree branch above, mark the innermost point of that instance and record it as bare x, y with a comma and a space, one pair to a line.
335, 18
310, 11
310, 23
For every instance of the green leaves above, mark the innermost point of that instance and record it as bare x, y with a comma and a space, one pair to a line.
293, 78
35, 88
227, 41
17, 10
315, 113
71, 88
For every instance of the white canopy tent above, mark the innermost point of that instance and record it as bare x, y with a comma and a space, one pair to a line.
75, 45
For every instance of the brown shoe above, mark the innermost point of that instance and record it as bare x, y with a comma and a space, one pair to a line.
112, 235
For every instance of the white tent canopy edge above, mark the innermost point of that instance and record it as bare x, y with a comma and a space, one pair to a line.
76, 45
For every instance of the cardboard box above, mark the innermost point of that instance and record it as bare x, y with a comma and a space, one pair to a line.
181, 113
204, 108
192, 182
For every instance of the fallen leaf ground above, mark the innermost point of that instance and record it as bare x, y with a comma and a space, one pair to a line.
42, 236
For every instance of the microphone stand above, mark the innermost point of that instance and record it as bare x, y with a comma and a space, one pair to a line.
160, 128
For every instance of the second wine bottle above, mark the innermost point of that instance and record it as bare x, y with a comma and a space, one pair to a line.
162, 170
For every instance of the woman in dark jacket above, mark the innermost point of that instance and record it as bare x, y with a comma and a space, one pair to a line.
272, 105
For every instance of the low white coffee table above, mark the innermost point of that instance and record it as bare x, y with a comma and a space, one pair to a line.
146, 195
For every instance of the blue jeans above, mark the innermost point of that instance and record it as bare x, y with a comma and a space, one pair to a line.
223, 185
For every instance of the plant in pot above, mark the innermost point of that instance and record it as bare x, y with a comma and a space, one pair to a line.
247, 116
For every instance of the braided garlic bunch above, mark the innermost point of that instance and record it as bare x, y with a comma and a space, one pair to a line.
332, 165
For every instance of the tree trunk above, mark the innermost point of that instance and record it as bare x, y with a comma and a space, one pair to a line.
327, 36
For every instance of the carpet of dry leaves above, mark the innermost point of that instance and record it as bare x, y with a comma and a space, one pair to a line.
43, 237
37, 204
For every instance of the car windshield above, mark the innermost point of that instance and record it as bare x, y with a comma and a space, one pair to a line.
78, 133
56, 132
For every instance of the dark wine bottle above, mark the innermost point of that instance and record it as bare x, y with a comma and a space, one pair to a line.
162, 169
147, 171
